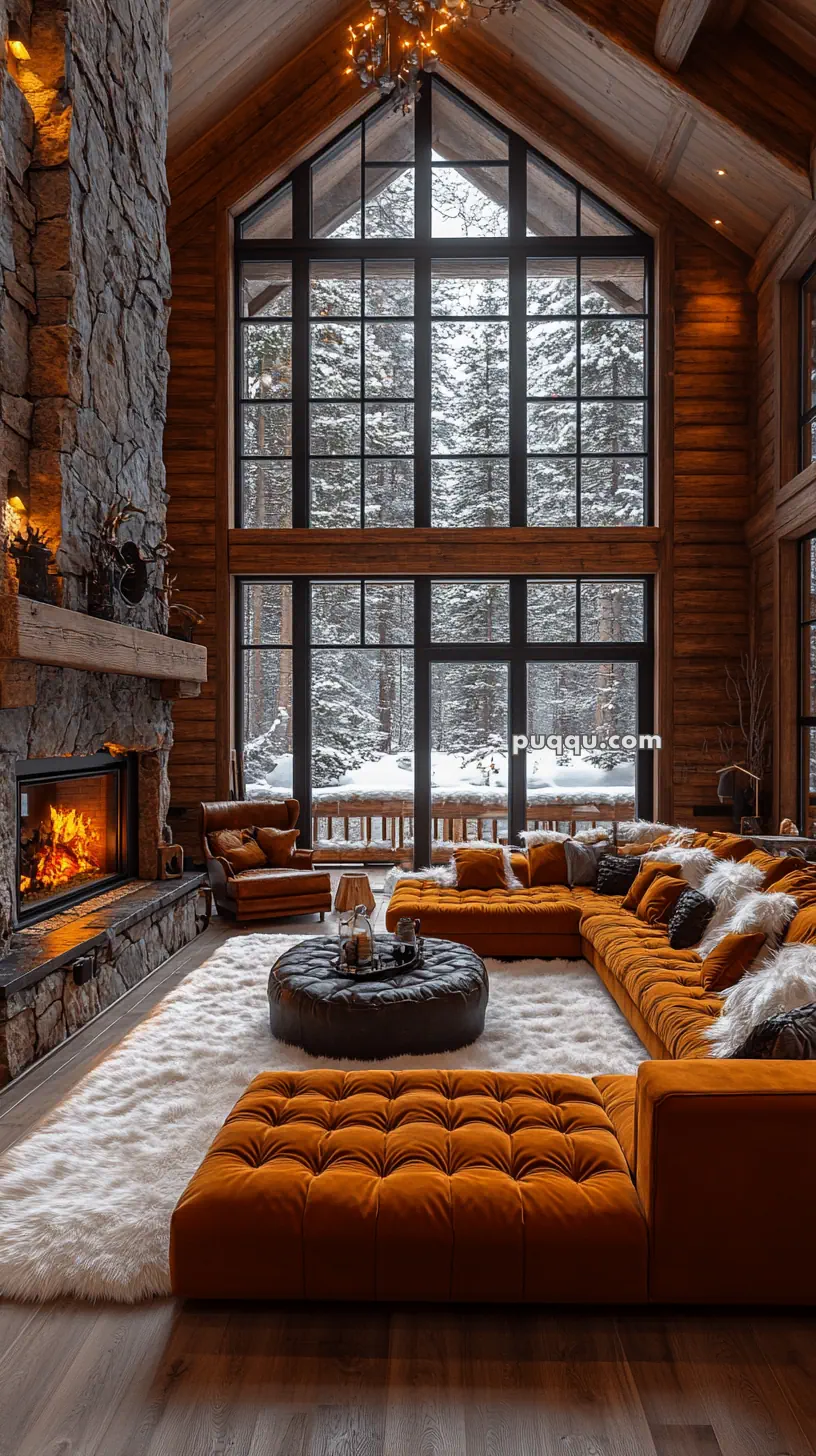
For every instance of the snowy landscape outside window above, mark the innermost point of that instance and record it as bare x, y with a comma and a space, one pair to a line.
438, 327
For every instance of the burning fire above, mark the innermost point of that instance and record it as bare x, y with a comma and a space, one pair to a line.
65, 849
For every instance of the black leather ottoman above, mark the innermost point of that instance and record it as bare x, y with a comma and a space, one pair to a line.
435, 1008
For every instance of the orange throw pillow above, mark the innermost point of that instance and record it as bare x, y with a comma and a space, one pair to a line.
548, 864
802, 929
662, 894
223, 839
799, 883
728, 961
731, 846
480, 869
640, 885
277, 845
247, 856
787, 864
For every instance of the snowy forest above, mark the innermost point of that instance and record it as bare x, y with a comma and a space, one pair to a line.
586, 451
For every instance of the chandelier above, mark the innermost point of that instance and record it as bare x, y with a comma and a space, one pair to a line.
397, 43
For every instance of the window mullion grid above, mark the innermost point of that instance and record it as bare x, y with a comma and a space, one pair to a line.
422, 722
302, 705
578, 405
422, 307
362, 387
518, 390
517, 179
422, 391
300, 391
517, 709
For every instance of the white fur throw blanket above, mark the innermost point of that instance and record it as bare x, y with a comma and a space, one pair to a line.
694, 864
786, 980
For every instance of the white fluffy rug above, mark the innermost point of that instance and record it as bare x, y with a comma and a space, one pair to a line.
85, 1201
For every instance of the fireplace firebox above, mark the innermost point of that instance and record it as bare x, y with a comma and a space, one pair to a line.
76, 830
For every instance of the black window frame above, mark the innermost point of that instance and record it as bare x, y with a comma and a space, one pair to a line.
807, 344
517, 248
517, 652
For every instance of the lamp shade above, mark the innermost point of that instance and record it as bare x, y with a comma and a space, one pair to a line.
354, 890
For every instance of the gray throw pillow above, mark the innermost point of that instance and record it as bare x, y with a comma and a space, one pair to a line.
582, 861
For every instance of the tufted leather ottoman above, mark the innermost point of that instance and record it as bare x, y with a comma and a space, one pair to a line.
413, 1186
436, 1008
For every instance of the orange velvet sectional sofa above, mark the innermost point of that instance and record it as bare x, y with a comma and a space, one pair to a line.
690, 1183
658, 989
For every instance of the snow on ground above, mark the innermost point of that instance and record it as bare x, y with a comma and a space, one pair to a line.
391, 777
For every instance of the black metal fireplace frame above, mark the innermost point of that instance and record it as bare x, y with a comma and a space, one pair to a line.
45, 770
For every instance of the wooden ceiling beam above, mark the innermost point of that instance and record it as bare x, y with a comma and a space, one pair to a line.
483, 69
761, 96
671, 146
677, 25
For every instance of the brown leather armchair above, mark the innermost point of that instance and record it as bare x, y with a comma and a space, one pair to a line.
267, 893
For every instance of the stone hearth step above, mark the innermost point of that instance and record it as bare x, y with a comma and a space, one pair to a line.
127, 936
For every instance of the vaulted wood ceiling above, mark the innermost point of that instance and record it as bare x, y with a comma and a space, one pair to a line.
739, 100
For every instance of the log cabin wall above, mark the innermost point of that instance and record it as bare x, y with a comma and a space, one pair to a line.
706, 368
784, 507
189, 453
715, 355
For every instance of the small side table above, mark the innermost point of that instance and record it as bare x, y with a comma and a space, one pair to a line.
354, 890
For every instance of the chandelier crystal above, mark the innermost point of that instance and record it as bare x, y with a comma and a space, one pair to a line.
392, 48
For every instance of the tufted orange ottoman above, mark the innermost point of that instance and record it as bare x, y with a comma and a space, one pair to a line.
419, 1185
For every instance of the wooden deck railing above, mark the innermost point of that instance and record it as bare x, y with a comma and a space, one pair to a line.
381, 830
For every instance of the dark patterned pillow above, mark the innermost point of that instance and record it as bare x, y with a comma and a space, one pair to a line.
689, 920
616, 872
790, 1037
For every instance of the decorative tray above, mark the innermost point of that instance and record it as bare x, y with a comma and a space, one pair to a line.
383, 965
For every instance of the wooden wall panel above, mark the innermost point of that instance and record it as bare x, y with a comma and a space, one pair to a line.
714, 353
189, 456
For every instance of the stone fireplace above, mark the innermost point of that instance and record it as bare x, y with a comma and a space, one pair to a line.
84, 301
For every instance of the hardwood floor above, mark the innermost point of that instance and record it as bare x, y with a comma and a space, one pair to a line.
165, 1379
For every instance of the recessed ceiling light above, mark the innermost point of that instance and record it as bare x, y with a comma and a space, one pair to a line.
721, 172
718, 222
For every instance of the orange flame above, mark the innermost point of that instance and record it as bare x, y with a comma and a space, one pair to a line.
67, 849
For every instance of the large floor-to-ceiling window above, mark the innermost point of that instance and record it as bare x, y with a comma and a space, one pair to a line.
438, 328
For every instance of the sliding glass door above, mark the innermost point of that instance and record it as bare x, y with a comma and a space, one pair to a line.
407, 715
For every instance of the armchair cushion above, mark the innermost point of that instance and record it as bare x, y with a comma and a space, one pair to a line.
272, 884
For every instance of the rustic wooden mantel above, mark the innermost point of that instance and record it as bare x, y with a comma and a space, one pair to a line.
34, 633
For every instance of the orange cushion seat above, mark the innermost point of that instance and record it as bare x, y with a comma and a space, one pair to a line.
540, 921
418, 1185
272, 884
664, 984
